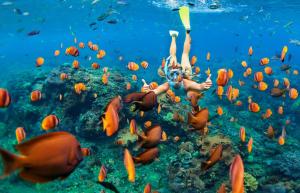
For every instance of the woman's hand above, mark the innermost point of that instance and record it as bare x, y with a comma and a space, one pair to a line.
207, 84
146, 87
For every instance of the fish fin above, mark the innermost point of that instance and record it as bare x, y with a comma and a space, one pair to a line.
109, 186
204, 165
26, 147
136, 159
11, 162
104, 123
190, 118
141, 137
29, 176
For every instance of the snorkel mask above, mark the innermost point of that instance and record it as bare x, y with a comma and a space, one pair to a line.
173, 75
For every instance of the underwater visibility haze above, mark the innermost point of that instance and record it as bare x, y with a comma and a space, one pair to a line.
153, 96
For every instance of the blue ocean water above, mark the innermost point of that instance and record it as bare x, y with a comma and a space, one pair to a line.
141, 32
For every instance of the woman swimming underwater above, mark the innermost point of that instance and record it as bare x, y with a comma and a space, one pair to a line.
179, 76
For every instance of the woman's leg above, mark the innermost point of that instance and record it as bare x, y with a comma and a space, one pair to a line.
185, 60
173, 60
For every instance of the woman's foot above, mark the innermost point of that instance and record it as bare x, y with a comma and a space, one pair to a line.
173, 33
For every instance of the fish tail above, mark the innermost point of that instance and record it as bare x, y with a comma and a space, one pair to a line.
136, 159
190, 117
204, 165
11, 162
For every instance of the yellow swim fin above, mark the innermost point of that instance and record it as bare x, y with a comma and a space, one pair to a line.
184, 13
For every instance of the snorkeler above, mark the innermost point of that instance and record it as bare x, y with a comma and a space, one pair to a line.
178, 75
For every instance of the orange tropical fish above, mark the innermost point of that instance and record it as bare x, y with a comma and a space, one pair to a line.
81, 45
243, 134
276, 83
75, 64
264, 61
207, 72
104, 79
220, 91
286, 82
237, 175
95, 65
281, 140
250, 51
35, 96
254, 107
219, 111
132, 127
79, 87
280, 110
153, 85
262, 86
193, 60
147, 124
110, 117
20, 134
50, 122
241, 83
235, 93
268, 114
94, 47
197, 70
283, 53
249, 145
90, 44
268, 70
229, 93
101, 54
85, 152
164, 136
144, 64
56, 53
147, 188
222, 189
248, 71
293, 93
208, 56
102, 174
159, 108
128, 86
39, 61
73, 51
239, 103
177, 99
129, 165
258, 76
133, 66
222, 78
63, 76
244, 64
134, 77
270, 132
230, 73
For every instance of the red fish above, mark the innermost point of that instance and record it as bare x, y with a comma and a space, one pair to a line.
110, 118
44, 158
213, 159
237, 175
147, 156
